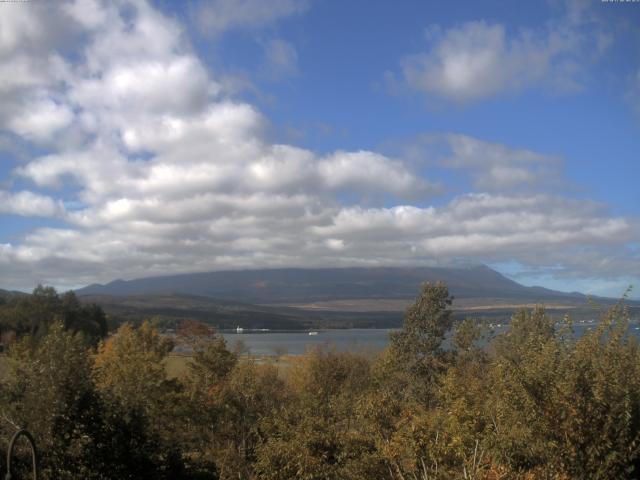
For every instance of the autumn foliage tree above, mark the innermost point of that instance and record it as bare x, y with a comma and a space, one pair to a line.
49, 391
139, 402
445, 400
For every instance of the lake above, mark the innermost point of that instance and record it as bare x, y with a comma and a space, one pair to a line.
354, 340
296, 343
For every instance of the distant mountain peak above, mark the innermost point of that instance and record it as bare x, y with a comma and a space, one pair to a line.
302, 285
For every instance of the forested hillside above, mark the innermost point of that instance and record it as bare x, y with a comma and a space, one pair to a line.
296, 285
33, 315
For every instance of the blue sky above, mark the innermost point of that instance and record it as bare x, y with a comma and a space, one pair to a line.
141, 138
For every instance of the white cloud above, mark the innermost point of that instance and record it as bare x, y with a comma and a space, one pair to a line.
30, 33
536, 229
22, 26
374, 172
162, 172
41, 120
143, 86
497, 167
89, 13
30, 204
214, 17
491, 166
479, 59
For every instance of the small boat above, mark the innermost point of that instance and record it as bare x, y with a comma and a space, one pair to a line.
313, 333
239, 330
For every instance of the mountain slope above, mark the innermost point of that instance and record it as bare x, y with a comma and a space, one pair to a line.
171, 309
291, 285
7, 294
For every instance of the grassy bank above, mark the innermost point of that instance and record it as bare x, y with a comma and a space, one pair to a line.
177, 364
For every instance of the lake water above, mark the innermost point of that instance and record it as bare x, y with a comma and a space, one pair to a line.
296, 343
354, 340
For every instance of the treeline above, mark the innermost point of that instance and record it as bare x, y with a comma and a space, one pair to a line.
33, 315
535, 403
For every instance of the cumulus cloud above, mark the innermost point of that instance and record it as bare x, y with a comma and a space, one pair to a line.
214, 17
494, 166
166, 168
480, 59
29, 62
369, 170
41, 120
154, 168
481, 224
216, 232
491, 166
30, 204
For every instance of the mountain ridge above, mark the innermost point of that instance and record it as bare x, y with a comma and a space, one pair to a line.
296, 285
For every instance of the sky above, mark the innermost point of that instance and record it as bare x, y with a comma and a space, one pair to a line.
142, 138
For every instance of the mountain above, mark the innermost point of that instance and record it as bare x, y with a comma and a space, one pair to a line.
171, 309
297, 298
6, 294
303, 286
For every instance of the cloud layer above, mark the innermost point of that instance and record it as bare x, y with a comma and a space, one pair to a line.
154, 167
479, 59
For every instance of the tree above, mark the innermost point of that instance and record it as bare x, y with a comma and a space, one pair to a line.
417, 348
250, 395
88, 320
34, 314
565, 407
211, 363
192, 332
140, 403
318, 432
50, 392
